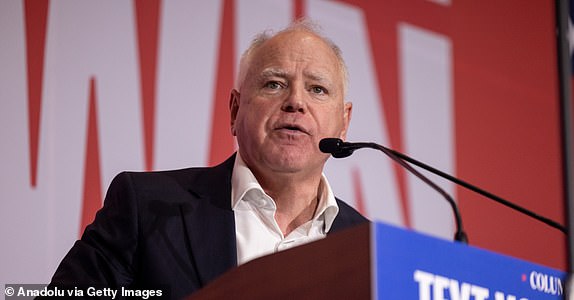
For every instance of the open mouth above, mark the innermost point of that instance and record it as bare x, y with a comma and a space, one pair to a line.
292, 128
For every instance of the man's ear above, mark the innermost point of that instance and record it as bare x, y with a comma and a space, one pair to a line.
347, 111
233, 108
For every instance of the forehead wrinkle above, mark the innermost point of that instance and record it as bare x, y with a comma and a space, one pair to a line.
277, 72
263, 39
273, 72
273, 50
317, 76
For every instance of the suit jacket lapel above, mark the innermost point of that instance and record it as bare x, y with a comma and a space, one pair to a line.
210, 221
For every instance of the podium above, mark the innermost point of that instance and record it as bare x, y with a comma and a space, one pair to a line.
379, 261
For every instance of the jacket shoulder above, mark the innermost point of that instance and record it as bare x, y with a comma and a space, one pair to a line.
347, 217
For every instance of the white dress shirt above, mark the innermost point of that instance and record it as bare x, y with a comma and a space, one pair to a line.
256, 229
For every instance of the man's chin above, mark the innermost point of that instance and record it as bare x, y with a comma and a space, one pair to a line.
294, 163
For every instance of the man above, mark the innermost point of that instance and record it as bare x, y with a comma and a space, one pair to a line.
181, 229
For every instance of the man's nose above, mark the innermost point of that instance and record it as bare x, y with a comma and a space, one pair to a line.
295, 100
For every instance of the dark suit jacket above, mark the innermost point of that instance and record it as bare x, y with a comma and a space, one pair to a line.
170, 228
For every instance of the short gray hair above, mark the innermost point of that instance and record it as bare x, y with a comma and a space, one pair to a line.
303, 25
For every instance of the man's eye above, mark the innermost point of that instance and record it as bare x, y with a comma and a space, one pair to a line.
274, 85
318, 90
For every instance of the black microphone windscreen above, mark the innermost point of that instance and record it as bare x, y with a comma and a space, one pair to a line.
330, 145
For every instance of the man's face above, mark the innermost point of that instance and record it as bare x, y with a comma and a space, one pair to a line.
291, 98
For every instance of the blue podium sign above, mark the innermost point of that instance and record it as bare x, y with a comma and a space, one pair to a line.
409, 265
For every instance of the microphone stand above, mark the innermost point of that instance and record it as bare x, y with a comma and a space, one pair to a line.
460, 235
340, 149
480, 191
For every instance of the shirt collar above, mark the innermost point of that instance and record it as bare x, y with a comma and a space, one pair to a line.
243, 181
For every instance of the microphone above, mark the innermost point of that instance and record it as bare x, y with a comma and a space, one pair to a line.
340, 149
336, 147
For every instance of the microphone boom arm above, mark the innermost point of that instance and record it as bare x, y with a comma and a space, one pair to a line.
480, 191
460, 234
